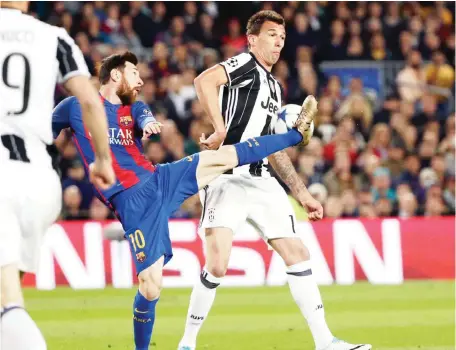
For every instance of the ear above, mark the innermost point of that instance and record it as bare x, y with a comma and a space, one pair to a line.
251, 39
115, 75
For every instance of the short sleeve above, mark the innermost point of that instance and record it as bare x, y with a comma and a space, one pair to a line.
142, 114
70, 58
61, 116
237, 67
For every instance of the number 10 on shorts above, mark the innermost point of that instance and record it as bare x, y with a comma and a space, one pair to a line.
137, 240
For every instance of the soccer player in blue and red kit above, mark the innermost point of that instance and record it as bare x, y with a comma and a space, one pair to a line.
144, 196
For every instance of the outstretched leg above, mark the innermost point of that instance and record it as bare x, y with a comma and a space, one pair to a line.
214, 163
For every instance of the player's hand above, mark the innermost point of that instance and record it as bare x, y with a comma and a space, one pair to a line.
214, 141
313, 207
151, 129
101, 174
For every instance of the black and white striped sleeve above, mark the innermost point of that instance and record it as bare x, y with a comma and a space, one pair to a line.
237, 67
69, 57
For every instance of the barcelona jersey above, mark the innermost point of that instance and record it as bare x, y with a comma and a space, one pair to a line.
125, 125
144, 196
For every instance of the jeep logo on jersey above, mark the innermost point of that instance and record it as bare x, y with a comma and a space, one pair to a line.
120, 137
126, 120
270, 105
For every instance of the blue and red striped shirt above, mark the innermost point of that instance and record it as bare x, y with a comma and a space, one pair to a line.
125, 125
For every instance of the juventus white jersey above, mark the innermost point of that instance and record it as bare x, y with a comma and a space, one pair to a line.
250, 103
34, 56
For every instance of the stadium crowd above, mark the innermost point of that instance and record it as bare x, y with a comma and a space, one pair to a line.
370, 157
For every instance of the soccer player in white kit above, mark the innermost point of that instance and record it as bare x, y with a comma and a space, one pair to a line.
250, 98
34, 56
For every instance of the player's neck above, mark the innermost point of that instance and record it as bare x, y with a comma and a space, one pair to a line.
15, 5
261, 61
110, 94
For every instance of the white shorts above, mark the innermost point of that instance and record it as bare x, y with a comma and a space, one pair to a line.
30, 201
231, 200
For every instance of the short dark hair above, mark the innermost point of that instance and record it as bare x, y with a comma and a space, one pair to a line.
256, 21
116, 61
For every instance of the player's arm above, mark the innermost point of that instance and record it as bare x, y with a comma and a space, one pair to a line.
207, 86
284, 168
74, 75
145, 120
61, 116
93, 114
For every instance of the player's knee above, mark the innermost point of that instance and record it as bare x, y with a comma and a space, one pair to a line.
218, 269
229, 156
149, 288
297, 254
10, 286
293, 252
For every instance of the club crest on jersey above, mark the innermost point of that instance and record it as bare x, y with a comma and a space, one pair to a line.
126, 120
140, 257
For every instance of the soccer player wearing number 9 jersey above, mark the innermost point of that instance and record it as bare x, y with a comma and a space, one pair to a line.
34, 56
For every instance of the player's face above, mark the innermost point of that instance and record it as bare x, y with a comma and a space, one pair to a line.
269, 42
130, 85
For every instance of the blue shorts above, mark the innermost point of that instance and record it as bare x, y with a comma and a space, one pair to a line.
145, 208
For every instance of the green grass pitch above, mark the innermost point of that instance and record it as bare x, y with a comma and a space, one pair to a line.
415, 315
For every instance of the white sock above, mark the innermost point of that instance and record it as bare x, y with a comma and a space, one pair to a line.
19, 332
306, 294
201, 301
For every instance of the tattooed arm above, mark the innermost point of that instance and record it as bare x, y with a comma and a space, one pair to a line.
283, 166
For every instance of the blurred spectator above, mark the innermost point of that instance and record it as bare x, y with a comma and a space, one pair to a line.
355, 49
383, 207
367, 211
333, 207
335, 49
382, 185
125, 36
76, 177
72, 199
206, 35
112, 23
440, 74
408, 205
339, 177
299, 35
98, 211
392, 25
349, 204
176, 35
235, 38
434, 207
319, 192
378, 50
449, 195
143, 25
177, 101
411, 79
